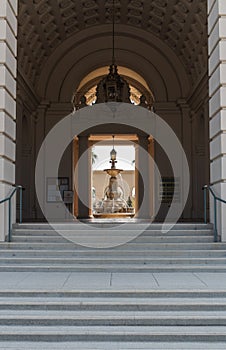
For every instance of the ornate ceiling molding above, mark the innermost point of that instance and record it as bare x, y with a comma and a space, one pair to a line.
45, 24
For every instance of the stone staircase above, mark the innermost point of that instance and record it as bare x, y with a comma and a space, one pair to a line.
113, 318
186, 248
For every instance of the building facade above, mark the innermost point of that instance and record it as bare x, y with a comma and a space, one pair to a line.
52, 53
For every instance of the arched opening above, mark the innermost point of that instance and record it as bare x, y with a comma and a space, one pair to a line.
138, 86
127, 183
158, 56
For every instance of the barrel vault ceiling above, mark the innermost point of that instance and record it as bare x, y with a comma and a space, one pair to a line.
45, 24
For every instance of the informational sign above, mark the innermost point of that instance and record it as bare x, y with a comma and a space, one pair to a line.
68, 197
55, 188
169, 190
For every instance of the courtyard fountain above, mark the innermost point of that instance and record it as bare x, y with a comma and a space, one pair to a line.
113, 205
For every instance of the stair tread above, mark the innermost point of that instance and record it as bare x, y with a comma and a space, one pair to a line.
181, 246
113, 301
107, 258
115, 293
118, 317
134, 266
214, 330
183, 314
107, 251
143, 345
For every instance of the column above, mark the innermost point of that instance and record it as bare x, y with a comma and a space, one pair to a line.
217, 106
151, 151
84, 178
33, 209
75, 176
143, 178
8, 52
186, 143
19, 168
40, 134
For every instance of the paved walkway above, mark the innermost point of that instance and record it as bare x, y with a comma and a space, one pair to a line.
114, 281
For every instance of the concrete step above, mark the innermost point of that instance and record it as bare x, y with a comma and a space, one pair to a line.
111, 320
128, 246
113, 225
127, 268
112, 345
114, 304
106, 260
142, 239
173, 232
89, 314
171, 294
100, 253
113, 333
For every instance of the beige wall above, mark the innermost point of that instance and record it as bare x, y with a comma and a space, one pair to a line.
217, 95
8, 69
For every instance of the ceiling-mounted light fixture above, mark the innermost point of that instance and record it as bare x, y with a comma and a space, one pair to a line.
113, 88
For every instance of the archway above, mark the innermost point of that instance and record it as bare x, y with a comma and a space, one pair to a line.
138, 85
172, 58
127, 89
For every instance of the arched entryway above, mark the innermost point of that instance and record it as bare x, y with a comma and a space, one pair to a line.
170, 57
112, 87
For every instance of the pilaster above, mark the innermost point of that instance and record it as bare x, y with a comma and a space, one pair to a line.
217, 105
143, 178
8, 53
186, 143
84, 178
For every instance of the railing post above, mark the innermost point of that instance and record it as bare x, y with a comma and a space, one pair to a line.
9, 228
215, 220
205, 203
21, 204
8, 199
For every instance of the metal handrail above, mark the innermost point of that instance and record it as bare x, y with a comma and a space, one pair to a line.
20, 188
216, 198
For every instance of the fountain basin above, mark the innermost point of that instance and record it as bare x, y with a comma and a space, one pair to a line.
113, 172
113, 215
